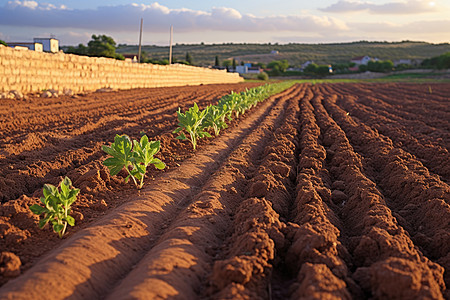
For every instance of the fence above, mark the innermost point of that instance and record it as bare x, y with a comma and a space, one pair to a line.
29, 72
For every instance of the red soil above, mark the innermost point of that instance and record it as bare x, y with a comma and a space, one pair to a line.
326, 191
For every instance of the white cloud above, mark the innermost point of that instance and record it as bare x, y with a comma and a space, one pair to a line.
157, 18
32, 5
437, 27
17, 3
400, 8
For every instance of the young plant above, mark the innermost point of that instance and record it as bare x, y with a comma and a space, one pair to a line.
215, 118
191, 122
134, 160
57, 206
231, 101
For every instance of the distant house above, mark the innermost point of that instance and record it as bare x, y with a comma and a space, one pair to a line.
361, 60
248, 68
275, 52
254, 70
242, 69
31, 46
39, 44
49, 44
412, 62
304, 65
130, 57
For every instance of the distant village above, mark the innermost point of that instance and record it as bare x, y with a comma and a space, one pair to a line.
239, 65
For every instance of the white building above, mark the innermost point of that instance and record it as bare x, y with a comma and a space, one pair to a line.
361, 60
31, 46
49, 44
242, 69
248, 68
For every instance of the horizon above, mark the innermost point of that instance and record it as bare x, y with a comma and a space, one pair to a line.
289, 43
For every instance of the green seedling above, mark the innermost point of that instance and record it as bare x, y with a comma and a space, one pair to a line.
194, 122
135, 159
231, 101
191, 122
215, 118
57, 206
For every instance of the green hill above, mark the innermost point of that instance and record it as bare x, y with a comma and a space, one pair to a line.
296, 54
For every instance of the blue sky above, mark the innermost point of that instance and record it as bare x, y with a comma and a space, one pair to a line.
213, 21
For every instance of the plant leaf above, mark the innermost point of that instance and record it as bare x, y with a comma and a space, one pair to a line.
37, 209
70, 220
158, 164
44, 221
57, 227
181, 137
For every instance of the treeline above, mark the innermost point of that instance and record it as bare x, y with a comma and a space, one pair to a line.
438, 62
296, 54
377, 66
99, 46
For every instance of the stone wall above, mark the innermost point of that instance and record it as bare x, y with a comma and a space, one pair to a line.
30, 72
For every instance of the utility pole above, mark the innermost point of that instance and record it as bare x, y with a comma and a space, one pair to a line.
140, 41
170, 47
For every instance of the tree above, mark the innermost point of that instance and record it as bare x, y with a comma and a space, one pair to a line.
444, 61
99, 46
275, 70
144, 56
227, 63
311, 68
189, 59
281, 65
380, 66
362, 68
234, 63
261, 65
217, 62
387, 66
263, 76
438, 62
323, 70
3, 43
102, 45
80, 50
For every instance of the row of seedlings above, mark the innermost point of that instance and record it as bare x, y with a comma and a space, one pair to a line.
194, 124
135, 156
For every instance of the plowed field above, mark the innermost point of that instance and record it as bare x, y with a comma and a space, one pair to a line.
330, 191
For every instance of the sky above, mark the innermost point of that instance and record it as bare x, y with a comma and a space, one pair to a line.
230, 21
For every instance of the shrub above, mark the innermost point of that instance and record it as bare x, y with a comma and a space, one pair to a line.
263, 76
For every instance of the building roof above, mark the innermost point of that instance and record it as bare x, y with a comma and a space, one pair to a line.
45, 38
359, 57
22, 43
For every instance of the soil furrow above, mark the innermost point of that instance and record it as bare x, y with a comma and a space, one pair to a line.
325, 191
433, 156
125, 235
249, 257
415, 112
41, 157
413, 185
316, 255
201, 229
382, 251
